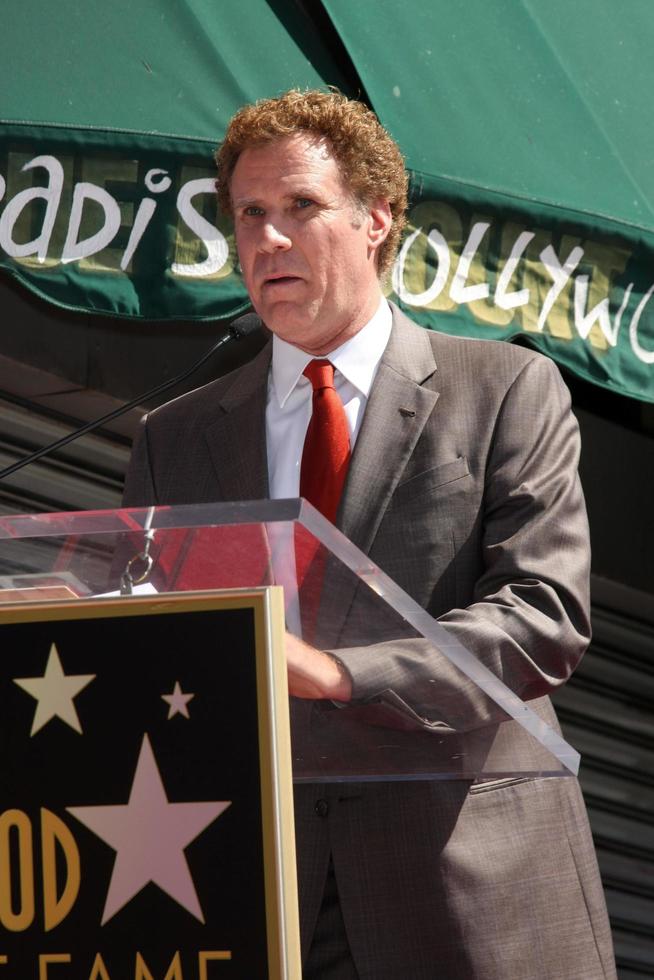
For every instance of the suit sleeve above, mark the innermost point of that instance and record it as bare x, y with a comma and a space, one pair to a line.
527, 616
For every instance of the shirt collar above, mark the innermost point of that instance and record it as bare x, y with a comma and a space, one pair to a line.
357, 359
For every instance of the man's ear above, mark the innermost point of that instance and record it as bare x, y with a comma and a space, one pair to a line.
380, 222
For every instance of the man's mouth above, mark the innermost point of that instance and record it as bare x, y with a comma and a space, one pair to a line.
281, 280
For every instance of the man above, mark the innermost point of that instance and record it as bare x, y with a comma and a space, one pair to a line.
461, 484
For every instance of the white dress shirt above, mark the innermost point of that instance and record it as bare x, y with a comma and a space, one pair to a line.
289, 405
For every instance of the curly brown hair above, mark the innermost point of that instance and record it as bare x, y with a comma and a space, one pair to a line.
370, 160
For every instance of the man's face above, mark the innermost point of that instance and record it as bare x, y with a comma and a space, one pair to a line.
307, 252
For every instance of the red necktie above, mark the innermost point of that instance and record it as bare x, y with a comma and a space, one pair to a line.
326, 453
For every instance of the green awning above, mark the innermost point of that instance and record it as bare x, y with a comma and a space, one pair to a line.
109, 115
524, 125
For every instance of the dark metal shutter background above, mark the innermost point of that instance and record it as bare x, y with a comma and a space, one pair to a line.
87, 475
606, 709
607, 712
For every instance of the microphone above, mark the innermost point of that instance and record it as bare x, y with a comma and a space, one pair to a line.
240, 328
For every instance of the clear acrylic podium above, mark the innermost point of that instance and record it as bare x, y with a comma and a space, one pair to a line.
468, 725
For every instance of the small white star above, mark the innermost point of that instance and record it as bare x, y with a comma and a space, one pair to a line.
149, 835
177, 701
54, 692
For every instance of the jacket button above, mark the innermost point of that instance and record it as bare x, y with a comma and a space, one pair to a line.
322, 808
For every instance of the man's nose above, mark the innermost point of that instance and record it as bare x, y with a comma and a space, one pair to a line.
274, 238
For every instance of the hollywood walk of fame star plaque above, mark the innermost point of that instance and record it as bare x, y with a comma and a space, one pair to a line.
146, 822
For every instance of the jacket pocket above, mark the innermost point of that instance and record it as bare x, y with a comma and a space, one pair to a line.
434, 478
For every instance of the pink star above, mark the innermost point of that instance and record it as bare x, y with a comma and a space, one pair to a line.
149, 835
177, 701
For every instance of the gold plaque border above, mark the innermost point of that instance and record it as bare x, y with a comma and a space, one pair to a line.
267, 605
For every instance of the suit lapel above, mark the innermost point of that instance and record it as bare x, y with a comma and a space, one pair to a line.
237, 439
397, 410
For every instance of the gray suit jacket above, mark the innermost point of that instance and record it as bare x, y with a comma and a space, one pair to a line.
463, 488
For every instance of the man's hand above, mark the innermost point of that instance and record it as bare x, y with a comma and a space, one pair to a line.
314, 674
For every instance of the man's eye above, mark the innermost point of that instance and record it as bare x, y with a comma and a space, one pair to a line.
252, 212
304, 202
